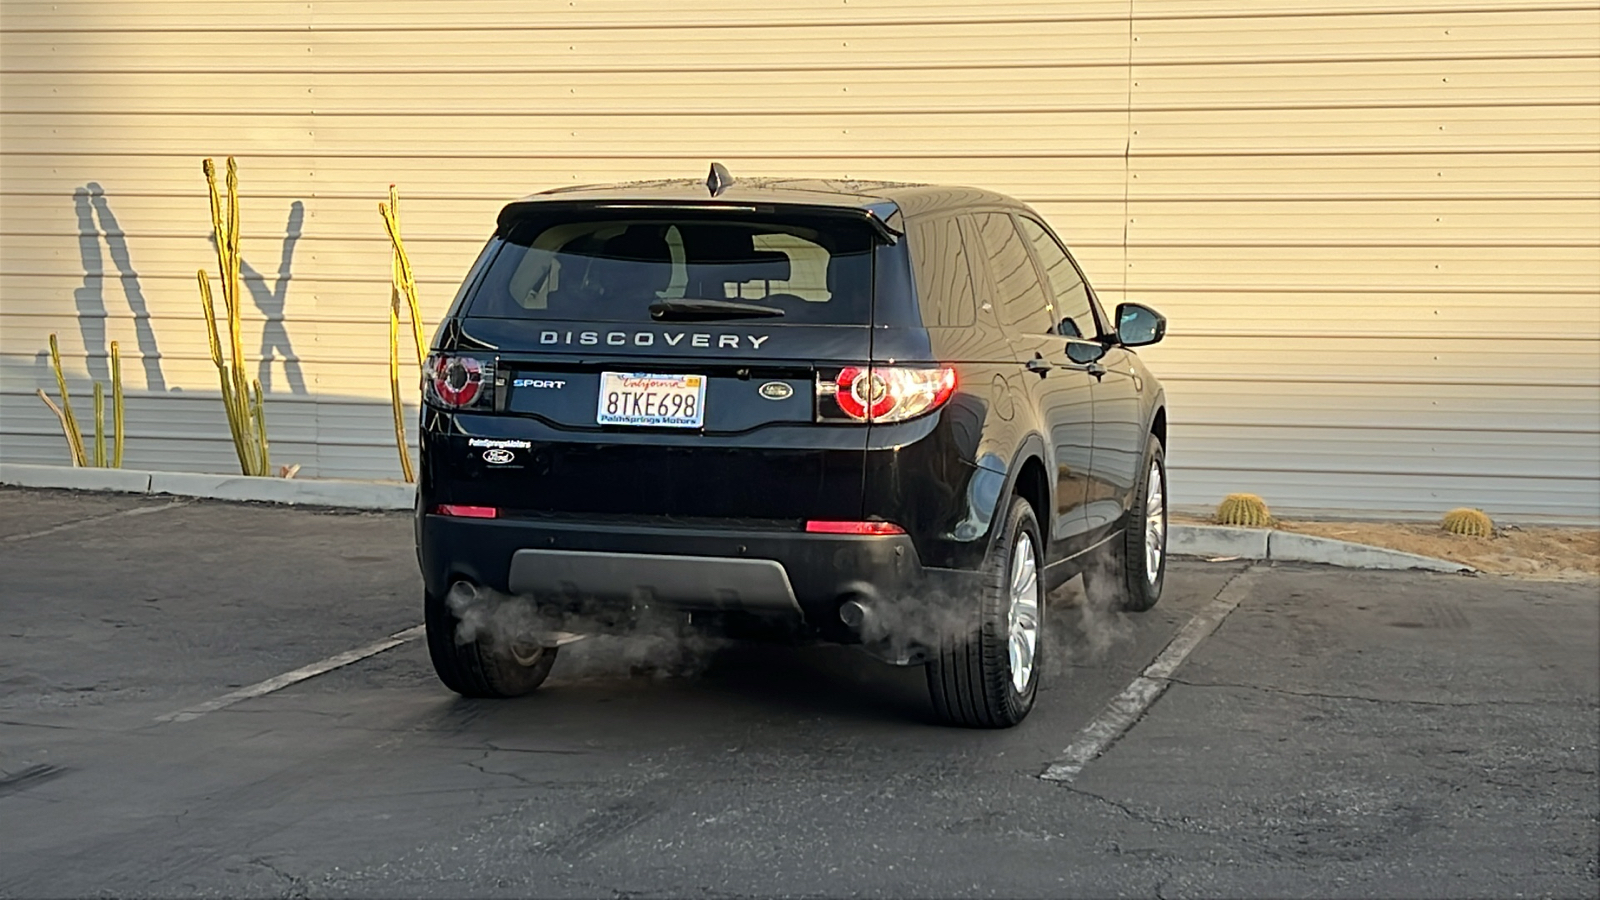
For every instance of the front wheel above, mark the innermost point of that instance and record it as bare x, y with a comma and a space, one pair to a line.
985, 672
477, 661
1144, 548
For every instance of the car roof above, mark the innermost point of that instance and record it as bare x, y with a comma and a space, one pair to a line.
881, 199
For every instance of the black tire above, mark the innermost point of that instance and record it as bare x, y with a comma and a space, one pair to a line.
1140, 588
970, 672
480, 668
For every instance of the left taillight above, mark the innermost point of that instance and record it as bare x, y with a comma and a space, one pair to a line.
458, 511
458, 382
883, 393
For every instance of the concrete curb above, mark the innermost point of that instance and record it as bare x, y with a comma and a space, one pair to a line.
1288, 546
1184, 540
348, 494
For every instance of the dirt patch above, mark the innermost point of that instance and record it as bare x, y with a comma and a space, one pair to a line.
1529, 551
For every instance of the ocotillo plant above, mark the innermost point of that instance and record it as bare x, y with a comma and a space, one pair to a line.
240, 397
69, 422
401, 283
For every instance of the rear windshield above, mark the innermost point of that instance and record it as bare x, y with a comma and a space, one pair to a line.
611, 268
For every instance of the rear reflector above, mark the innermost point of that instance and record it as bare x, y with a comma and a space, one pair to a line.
854, 528
466, 512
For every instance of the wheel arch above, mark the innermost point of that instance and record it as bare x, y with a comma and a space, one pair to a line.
1029, 478
1032, 483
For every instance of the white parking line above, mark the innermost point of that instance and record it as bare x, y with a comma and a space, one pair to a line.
279, 682
1128, 706
136, 511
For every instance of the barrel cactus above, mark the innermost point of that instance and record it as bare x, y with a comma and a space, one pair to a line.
1247, 510
1467, 521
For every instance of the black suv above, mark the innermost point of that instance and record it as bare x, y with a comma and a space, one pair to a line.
891, 415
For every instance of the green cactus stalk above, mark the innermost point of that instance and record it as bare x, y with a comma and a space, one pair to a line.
223, 374
99, 426
264, 457
401, 283
405, 280
394, 388
1246, 510
69, 422
116, 406
241, 395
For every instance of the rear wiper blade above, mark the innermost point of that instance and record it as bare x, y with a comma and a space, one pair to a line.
680, 310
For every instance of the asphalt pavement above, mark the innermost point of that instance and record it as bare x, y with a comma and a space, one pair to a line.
1341, 733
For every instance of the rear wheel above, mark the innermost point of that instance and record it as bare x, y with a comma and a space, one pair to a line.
1144, 550
482, 666
985, 674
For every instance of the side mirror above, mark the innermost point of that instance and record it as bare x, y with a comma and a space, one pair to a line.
1139, 325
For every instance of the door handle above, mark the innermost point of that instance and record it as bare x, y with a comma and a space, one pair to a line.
1095, 369
1039, 364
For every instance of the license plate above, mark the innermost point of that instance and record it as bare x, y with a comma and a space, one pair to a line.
662, 401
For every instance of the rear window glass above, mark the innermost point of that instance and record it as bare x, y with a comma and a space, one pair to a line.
818, 271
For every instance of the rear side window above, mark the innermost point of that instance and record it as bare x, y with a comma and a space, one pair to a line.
1020, 301
605, 268
1071, 293
944, 279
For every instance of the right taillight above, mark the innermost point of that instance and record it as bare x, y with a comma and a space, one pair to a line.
828, 527
883, 393
456, 381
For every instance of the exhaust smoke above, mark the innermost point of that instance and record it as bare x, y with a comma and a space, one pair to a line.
599, 639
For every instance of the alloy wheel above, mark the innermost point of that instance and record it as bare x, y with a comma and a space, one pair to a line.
1022, 616
1155, 524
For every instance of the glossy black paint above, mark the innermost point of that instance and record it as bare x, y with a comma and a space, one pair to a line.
1059, 420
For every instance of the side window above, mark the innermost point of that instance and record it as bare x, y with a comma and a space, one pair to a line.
944, 280
1071, 293
1020, 301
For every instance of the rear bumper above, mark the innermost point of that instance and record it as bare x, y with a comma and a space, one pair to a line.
687, 582
767, 572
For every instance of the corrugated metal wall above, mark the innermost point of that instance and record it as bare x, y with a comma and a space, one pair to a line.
1375, 225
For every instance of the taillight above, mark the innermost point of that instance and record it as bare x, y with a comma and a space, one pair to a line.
467, 512
817, 527
883, 393
457, 381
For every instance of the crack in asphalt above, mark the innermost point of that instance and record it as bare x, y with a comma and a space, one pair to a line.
480, 765
1454, 704
1126, 810
499, 749
297, 886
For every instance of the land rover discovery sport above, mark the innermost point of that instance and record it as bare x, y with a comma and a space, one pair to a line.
889, 415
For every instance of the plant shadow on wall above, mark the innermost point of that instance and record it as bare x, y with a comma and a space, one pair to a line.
90, 202
274, 328
100, 234
96, 221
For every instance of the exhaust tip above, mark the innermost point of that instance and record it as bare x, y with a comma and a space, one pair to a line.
853, 613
